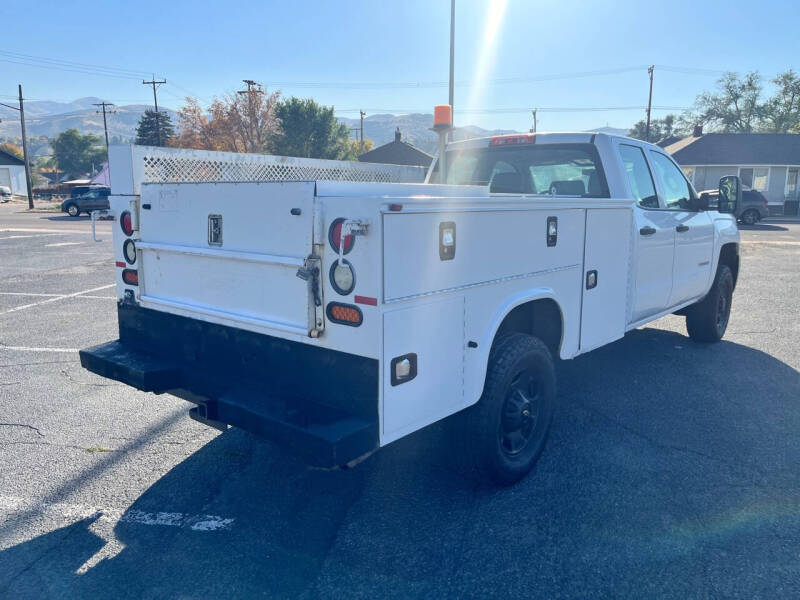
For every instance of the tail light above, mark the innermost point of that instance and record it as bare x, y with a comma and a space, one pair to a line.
335, 237
126, 223
343, 278
344, 314
510, 140
129, 251
130, 276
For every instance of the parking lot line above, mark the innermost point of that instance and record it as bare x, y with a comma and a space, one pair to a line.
73, 295
198, 522
63, 244
31, 349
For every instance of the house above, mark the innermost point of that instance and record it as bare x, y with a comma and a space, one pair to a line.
767, 162
12, 173
397, 152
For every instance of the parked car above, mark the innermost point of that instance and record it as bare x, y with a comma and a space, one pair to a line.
5, 193
85, 198
752, 209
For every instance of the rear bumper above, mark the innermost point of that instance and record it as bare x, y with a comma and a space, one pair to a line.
287, 392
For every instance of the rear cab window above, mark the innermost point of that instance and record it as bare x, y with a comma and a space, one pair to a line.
539, 169
639, 176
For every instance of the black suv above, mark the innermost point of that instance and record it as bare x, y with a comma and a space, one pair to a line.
86, 198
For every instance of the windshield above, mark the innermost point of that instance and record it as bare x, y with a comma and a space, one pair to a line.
546, 169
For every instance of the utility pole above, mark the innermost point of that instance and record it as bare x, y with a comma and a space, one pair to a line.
649, 103
363, 114
533, 129
155, 83
252, 87
25, 149
452, 59
105, 124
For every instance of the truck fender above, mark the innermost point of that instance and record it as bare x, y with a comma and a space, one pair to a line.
475, 385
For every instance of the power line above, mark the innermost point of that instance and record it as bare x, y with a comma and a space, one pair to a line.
69, 63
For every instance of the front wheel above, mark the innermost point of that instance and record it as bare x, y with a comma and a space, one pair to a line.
707, 320
504, 433
73, 211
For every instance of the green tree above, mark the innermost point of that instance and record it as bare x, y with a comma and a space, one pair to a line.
781, 113
309, 130
734, 108
659, 129
149, 126
77, 154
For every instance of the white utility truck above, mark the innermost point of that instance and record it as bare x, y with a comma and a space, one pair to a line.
335, 317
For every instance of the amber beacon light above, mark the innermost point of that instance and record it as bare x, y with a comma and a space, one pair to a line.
442, 116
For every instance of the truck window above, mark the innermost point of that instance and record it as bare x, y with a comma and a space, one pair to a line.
673, 183
639, 176
544, 169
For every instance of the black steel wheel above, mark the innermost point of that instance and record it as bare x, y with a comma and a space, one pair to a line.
502, 436
707, 320
73, 211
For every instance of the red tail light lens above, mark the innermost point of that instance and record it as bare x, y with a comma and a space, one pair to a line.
126, 223
335, 235
130, 276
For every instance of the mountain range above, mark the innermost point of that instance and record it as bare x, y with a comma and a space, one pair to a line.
49, 118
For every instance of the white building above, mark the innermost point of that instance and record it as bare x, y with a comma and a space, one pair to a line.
12, 173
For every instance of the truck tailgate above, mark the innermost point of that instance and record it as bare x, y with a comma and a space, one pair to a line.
228, 252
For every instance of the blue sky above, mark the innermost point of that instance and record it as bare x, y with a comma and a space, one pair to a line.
356, 52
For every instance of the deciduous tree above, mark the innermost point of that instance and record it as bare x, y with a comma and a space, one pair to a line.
77, 154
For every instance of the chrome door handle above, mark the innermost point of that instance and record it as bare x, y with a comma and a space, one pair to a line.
647, 231
682, 228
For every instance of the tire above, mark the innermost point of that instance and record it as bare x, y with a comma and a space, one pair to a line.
707, 320
750, 217
502, 435
73, 211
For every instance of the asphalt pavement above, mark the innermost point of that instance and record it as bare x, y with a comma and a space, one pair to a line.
672, 470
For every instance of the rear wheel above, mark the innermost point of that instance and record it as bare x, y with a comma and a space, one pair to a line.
707, 320
750, 217
72, 210
504, 433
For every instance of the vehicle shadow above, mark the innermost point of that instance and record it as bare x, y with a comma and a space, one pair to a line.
762, 227
671, 468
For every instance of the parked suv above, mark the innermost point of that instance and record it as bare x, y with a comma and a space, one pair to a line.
5, 193
86, 198
752, 209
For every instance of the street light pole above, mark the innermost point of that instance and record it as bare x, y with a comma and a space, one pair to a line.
452, 53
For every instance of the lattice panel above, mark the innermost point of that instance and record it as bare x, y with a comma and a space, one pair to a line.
175, 169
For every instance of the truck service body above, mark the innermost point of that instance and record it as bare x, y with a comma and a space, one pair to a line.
335, 317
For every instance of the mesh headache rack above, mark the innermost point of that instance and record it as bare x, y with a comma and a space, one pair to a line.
130, 166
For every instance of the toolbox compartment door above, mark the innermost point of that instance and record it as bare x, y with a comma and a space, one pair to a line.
227, 252
607, 256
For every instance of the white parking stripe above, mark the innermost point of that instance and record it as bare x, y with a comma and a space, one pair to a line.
62, 244
18, 237
31, 294
73, 295
197, 522
30, 349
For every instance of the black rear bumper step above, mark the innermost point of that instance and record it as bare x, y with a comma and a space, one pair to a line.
324, 436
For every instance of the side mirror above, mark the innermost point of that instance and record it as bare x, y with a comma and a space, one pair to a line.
700, 203
730, 194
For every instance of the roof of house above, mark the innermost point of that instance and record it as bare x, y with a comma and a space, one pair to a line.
397, 152
7, 158
737, 149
